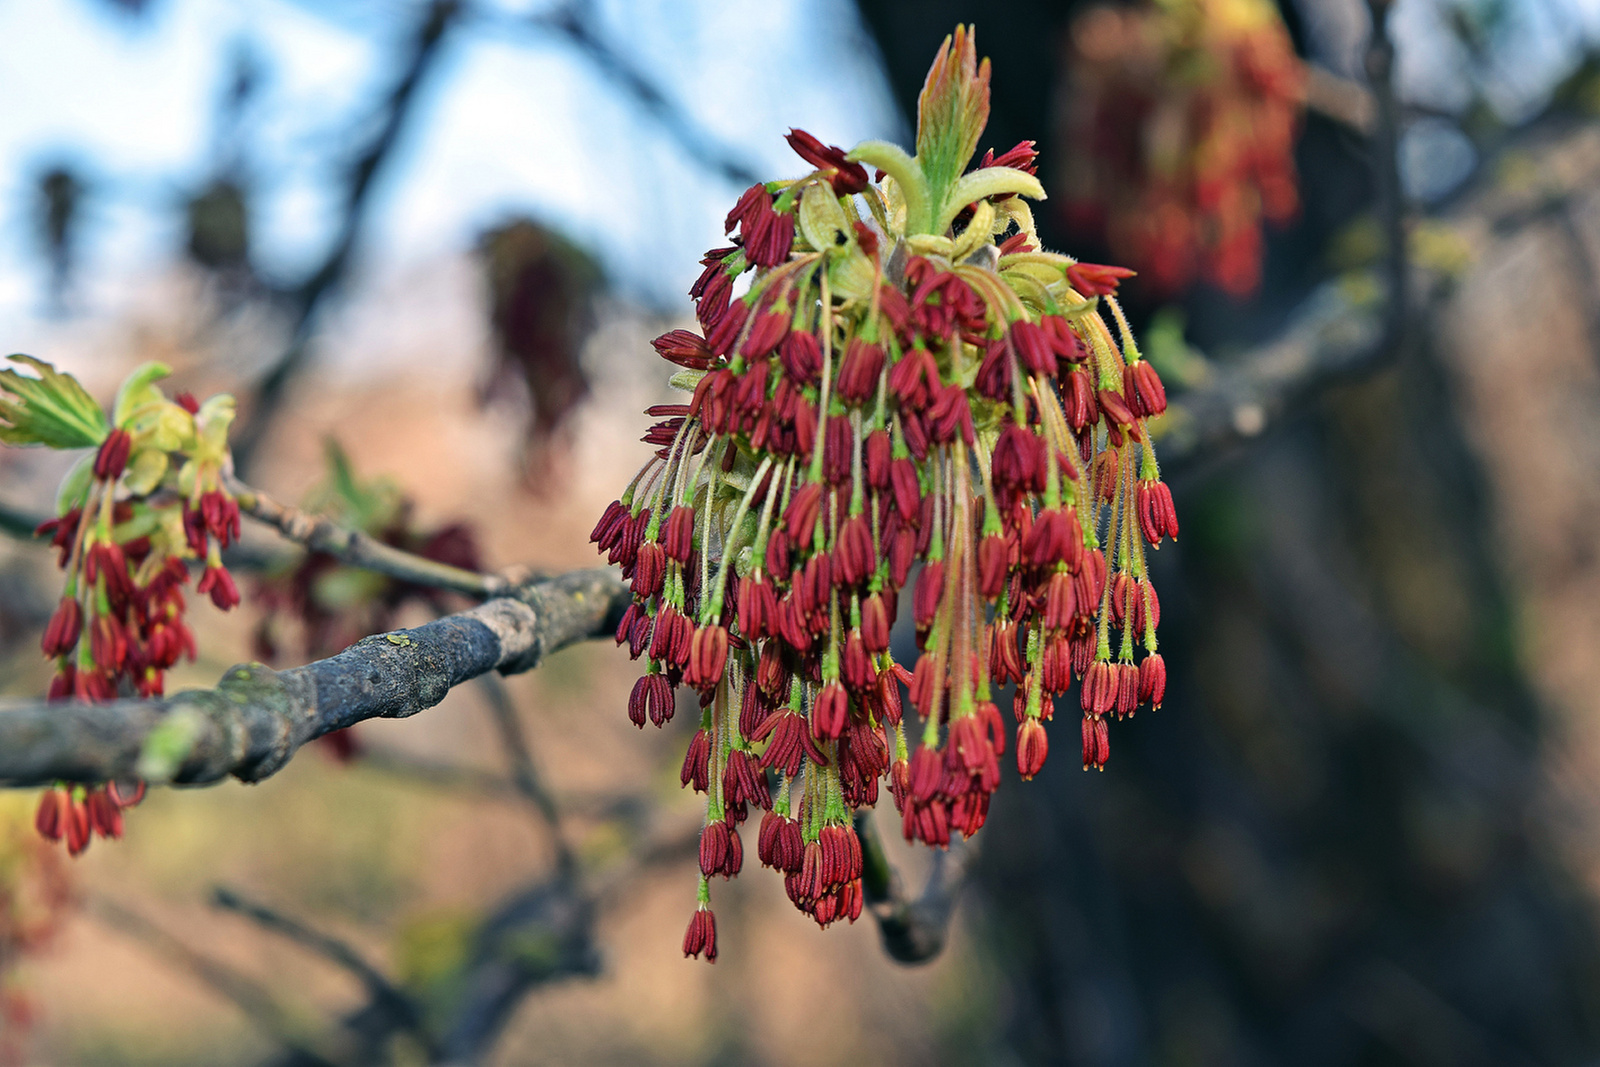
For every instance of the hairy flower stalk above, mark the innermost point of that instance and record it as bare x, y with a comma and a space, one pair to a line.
903, 388
147, 500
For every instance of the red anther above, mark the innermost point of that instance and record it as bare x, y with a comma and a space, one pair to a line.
720, 850
1142, 387
927, 772
1153, 679
714, 300
697, 763
649, 569
950, 415
125, 799
686, 349
758, 608
112, 458
1060, 601
889, 706
1019, 458
708, 655
928, 594
914, 378
854, 558
994, 563
187, 402
76, 827
1114, 407
721, 334
219, 584
105, 818
1099, 693
1033, 745
1127, 681
109, 643
1096, 279
1033, 346
874, 624
53, 814
613, 534
767, 331
877, 455
800, 517
1005, 661
830, 712
768, 234
859, 371
747, 204
701, 937
907, 489
651, 699
801, 357
771, 675
1017, 242
678, 537
1096, 742
1157, 517
743, 781
855, 664
846, 177
66, 624
1021, 157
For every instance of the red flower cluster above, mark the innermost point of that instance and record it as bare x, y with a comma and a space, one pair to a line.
883, 409
120, 624
1181, 121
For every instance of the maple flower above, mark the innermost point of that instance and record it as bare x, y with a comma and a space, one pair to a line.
132, 515
907, 389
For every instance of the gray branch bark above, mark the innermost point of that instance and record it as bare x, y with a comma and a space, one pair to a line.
256, 719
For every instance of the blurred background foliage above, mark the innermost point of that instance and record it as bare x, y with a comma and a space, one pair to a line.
1362, 830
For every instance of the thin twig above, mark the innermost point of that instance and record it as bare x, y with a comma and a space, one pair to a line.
523, 773
306, 300
380, 989
360, 550
251, 998
914, 930
572, 21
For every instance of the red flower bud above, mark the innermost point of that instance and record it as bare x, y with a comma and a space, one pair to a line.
847, 177
61, 635
112, 459
697, 763
219, 583
1096, 279
701, 937
685, 348
1033, 744
1153, 679
830, 712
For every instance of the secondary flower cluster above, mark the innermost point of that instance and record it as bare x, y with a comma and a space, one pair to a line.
894, 399
1183, 115
148, 499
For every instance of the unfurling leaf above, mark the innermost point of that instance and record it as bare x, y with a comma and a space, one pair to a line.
51, 410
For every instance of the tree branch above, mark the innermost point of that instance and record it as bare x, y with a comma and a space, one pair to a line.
524, 776
249, 996
571, 21
252, 724
306, 299
321, 534
382, 992
914, 930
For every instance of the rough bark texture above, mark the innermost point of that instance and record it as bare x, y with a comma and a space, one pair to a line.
256, 718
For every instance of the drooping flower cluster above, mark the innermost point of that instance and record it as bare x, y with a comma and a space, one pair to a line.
149, 498
1181, 116
907, 391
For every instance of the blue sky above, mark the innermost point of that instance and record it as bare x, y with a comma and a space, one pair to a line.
514, 119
